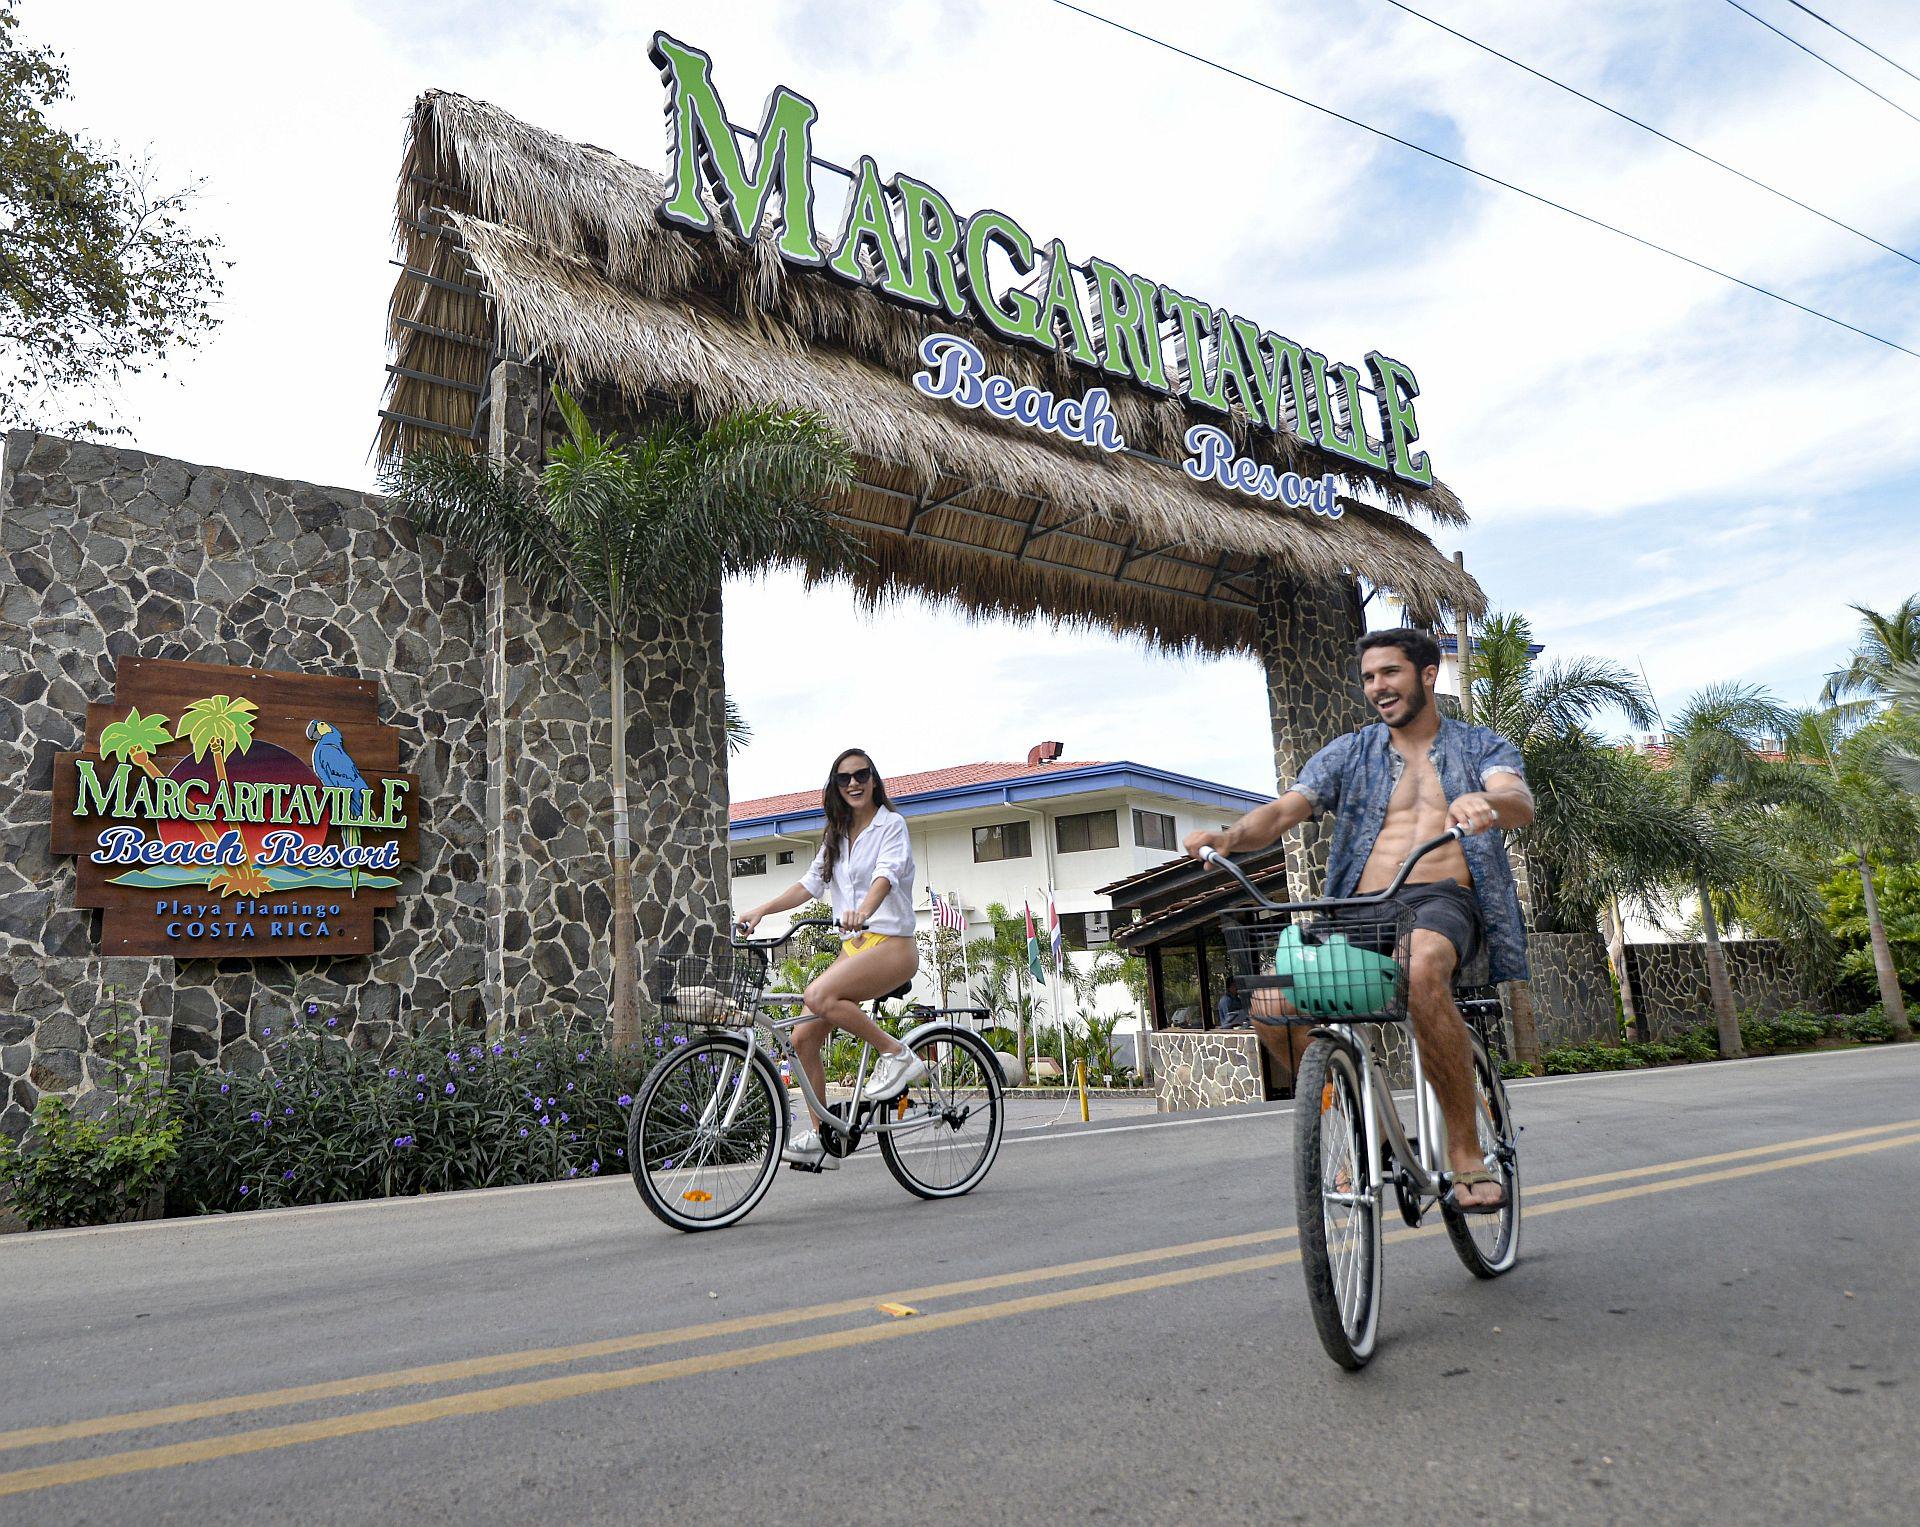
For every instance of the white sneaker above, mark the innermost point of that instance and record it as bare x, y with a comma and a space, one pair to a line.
894, 1075
806, 1150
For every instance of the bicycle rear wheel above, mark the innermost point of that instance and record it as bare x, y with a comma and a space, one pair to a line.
960, 1114
706, 1132
1490, 1243
1338, 1202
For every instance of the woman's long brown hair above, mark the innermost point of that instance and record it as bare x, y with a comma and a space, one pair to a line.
839, 813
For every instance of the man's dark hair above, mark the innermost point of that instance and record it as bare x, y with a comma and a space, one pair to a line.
1421, 649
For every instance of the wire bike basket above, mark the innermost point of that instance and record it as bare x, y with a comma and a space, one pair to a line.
1345, 965
718, 989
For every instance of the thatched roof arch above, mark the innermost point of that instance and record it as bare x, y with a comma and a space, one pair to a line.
516, 241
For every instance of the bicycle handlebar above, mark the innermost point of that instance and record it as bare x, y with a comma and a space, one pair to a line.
792, 928
1212, 855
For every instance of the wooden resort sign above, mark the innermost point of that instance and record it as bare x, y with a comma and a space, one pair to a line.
235, 813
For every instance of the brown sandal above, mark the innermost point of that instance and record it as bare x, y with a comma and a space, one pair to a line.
1474, 1180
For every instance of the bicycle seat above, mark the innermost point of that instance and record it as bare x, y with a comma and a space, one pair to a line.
896, 993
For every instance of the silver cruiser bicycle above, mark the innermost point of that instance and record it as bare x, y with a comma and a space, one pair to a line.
706, 1132
1340, 966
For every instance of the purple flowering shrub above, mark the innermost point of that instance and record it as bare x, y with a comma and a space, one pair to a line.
325, 1123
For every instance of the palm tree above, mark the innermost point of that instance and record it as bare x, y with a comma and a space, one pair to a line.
1003, 981
221, 725
1885, 643
1901, 762
1604, 829
739, 729
1718, 766
622, 531
1866, 817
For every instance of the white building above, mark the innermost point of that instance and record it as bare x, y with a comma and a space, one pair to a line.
1005, 832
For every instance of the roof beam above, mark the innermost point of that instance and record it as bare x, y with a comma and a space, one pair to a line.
923, 505
451, 336
440, 281
418, 423
438, 381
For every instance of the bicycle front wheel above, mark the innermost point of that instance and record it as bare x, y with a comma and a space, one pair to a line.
706, 1132
1338, 1202
950, 1122
1490, 1243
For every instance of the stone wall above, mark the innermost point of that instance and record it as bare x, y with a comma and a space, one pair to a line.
1671, 990
1313, 695
1205, 1070
106, 552
1572, 985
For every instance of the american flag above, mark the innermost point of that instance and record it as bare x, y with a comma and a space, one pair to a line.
1053, 924
947, 913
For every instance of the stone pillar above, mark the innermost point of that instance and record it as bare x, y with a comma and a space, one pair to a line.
550, 791
1313, 693
514, 439
677, 772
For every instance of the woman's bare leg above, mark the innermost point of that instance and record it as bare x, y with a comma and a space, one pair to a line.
837, 992
808, 1038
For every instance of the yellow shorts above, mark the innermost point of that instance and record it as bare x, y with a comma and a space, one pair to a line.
860, 943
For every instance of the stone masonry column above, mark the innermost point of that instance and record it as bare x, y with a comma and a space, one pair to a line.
1313, 693
514, 439
550, 756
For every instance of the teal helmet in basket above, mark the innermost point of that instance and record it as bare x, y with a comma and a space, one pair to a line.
1337, 979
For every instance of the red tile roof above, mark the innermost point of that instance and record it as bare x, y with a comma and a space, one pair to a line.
902, 786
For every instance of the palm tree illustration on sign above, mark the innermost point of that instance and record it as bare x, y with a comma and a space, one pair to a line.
222, 726
333, 766
137, 738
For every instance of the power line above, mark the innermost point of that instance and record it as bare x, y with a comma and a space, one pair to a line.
1852, 39
1418, 148
1399, 5
1822, 57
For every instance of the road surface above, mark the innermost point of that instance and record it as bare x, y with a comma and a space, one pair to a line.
1716, 1318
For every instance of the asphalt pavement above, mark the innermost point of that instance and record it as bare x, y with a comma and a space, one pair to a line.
1716, 1318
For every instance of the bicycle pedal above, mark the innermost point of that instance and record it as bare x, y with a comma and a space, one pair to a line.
801, 1166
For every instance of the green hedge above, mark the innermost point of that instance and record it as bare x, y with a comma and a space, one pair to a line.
1797, 1030
326, 1123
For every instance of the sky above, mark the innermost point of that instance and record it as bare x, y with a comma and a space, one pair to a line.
1663, 469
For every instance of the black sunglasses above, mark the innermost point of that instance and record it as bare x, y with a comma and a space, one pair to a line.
856, 777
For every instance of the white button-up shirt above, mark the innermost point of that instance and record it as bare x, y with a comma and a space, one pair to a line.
883, 849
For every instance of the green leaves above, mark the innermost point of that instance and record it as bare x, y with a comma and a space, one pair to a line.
634, 531
78, 1168
100, 278
219, 723
134, 735
432, 1112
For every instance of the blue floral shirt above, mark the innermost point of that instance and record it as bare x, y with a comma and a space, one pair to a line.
1355, 776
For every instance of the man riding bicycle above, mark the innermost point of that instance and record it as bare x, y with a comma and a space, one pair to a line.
1390, 786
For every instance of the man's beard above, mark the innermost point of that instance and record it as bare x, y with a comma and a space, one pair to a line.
1416, 704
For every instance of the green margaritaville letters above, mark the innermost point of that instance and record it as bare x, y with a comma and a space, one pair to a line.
1195, 319
701, 137
945, 265
126, 792
1129, 326
1020, 319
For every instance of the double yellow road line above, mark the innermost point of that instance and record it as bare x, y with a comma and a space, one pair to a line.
1635, 1182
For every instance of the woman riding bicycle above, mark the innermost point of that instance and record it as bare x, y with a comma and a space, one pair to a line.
865, 868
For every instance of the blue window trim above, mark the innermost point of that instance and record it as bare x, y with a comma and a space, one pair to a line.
1054, 785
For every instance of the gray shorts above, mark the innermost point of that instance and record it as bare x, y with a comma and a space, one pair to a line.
1446, 907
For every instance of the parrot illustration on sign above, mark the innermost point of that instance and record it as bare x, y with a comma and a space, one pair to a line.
334, 766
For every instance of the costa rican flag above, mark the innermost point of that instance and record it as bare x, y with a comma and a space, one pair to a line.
1053, 924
